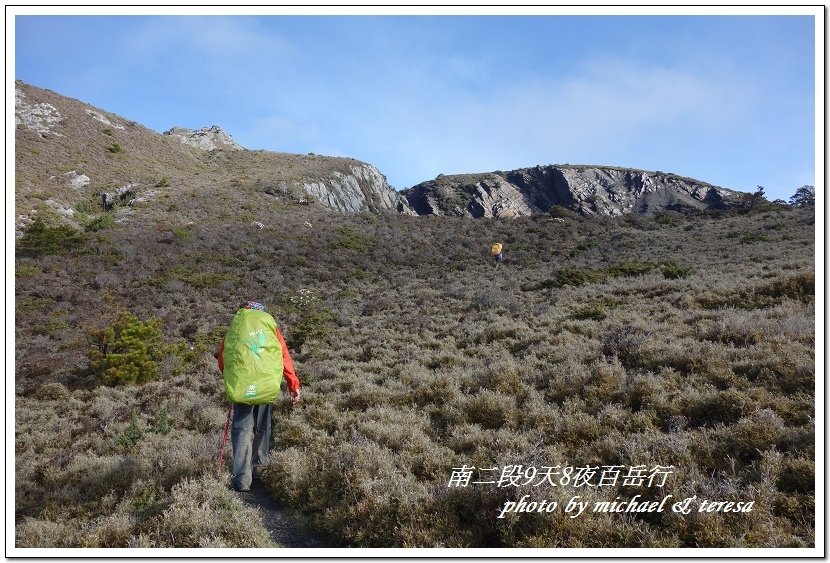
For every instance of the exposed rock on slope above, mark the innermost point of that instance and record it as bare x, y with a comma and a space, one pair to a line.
38, 117
590, 190
206, 138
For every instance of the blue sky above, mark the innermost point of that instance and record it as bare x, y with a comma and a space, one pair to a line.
729, 100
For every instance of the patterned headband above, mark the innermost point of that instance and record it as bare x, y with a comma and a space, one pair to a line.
254, 305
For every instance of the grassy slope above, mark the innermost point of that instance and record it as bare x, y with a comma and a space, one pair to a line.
418, 355
161, 169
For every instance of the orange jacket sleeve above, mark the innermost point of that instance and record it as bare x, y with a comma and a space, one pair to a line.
287, 365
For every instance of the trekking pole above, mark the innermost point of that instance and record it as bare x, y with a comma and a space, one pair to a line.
221, 459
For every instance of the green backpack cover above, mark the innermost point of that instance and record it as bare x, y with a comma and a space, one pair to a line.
252, 359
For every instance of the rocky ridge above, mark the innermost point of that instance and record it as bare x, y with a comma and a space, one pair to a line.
588, 190
68, 151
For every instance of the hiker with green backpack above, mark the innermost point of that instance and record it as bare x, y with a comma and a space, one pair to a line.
253, 359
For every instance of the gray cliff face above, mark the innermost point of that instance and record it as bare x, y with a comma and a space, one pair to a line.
589, 190
361, 188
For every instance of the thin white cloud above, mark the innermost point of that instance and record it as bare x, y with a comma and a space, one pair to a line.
602, 110
212, 40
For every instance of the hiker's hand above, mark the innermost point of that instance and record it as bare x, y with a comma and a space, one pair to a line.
295, 397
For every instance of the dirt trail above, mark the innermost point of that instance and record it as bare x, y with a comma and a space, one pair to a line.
284, 529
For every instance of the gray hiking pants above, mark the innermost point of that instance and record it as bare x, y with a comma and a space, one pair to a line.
251, 438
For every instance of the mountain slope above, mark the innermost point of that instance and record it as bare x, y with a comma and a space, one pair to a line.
670, 341
68, 153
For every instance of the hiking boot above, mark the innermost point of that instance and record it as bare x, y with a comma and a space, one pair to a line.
240, 488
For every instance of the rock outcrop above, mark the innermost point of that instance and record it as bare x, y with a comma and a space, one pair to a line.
77, 181
361, 188
98, 116
39, 117
206, 138
589, 190
125, 195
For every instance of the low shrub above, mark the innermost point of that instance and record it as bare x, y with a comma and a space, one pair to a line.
801, 287
40, 239
797, 475
102, 221
491, 409
564, 213
755, 434
667, 218
751, 238
493, 298
163, 424
39, 533
205, 510
26, 270
629, 269
626, 343
351, 239
582, 247
127, 351
574, 276
725, 407
181, 232
198, 280
798, 508
594, 311
674, 271
132, 434
308, 318
87, 206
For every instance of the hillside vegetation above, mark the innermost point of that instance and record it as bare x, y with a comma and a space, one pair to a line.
672, 341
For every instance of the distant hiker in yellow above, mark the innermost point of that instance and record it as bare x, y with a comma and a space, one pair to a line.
496, 251
253, 359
